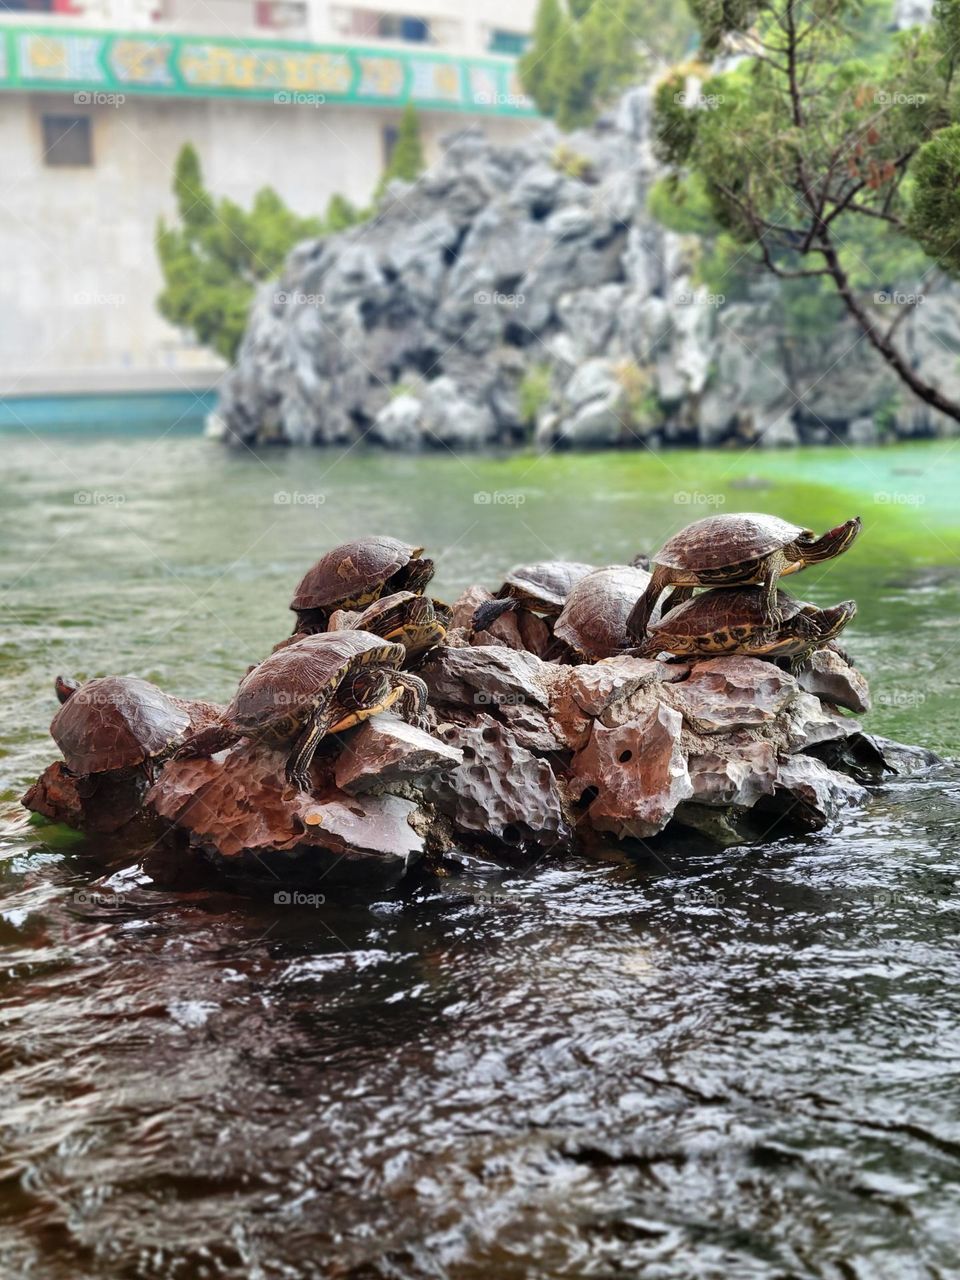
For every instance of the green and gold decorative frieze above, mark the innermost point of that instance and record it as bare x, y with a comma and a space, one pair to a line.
116, 63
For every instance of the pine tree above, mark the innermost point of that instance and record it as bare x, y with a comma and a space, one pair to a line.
536, 65
406, 161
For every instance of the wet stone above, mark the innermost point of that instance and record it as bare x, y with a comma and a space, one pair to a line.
729, 693
386, 750
826, 675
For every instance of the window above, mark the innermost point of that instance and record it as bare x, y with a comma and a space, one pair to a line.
67, 140
390, 135
391, 27
511, 42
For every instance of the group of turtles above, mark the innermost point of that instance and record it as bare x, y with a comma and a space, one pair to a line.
364, 623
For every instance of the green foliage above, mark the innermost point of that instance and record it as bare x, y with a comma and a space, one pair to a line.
213, 261
584, 51
533, 393
406, 160
827, 155
571, 162
643, 404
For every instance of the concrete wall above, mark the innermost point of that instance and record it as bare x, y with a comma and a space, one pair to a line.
78, 270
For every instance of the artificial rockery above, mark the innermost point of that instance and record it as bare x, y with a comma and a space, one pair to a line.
526, 293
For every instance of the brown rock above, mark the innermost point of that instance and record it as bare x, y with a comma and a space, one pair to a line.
638, 771
738, 771
596, 685
826, 675
501, 789
730, 693
807, 721
810, 795
386, 750
489, 676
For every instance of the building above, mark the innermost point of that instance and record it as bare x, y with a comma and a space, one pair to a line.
97, 97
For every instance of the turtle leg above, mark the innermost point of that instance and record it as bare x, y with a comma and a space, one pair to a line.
207, 742
412, 703
772, 567
679, 595
304, 747
642, 610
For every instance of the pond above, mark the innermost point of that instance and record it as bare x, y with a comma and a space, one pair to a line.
701, 1065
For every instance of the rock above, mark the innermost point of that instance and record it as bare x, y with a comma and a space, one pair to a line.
399, 423
483, 677
738, 772
501, 789
730, 693
901, 759
811, 795
828, 676
631, 778
808, 722
595, 686
386, 750
101, 804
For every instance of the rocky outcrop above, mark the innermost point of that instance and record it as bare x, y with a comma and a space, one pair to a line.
524, 292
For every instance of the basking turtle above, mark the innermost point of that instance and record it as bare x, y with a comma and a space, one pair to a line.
121, 722
355, 574
724, 622
736, 551
416, 622
593, 622
319, 685
542, 588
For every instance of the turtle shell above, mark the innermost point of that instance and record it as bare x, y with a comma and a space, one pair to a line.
722, 609
117, 722
291, 681
354, 571
548, 582
718, 541
594, 619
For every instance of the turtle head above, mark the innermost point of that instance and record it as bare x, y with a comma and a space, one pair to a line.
414, 576
833, 543
65, 687
833, 620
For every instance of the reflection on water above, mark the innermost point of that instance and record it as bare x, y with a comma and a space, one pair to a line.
710, 1065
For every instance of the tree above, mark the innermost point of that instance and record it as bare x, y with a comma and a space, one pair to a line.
213, 260
584, 51
835, 168
406, 160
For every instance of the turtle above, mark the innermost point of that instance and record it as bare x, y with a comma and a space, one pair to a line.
121, 722
321, 684
722, 621
741, 550
593, 622
416, 622
355, 574
542, 588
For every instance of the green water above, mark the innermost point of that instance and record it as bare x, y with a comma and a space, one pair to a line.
560, 1070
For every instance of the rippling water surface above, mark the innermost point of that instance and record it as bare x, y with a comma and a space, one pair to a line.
703, 1065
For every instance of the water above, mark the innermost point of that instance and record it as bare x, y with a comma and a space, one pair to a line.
704, 1065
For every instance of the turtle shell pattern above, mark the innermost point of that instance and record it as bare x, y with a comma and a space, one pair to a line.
547, 582
737, 613
290, 683
117, 722
354, 571
717, 541
594, 619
